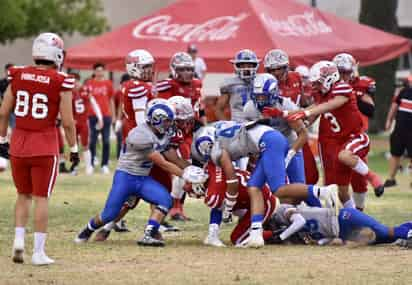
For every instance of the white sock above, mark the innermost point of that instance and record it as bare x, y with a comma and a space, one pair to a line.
19, 234
109, 226
323, 192
256, 226
177, 187
359, 199
361, 167
87, 157
39, 242
213, 229
349, 204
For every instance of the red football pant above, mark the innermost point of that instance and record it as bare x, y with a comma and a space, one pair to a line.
34, 175
82, 132
241, 231
311, 169
335, 171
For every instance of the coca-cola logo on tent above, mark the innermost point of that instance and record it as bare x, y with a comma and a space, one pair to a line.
163, 28
306, 24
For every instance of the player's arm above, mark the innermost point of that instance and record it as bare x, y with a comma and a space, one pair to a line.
221, 104
66, 115
328, 106
171, 156
6, 108
297, 222
162, 162
300, 129
390, 117
139, 105
232, 184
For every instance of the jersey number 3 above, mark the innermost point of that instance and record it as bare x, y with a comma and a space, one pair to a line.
39, 107
334, 125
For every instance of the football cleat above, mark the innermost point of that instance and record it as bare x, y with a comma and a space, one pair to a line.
89, 170
376, 182
18, 251
40, 258
390, 183
83, 236
102, 235
151, 237
166, 227
213, 241
121, 227
63, 168
105, 169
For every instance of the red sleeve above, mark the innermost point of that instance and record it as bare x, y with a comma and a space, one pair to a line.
342, 89
216, 186
164, 89
67, 82
12, 72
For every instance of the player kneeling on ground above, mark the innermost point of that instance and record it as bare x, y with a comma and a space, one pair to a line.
145, 145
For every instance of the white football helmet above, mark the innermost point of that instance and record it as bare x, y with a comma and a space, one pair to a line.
139, 64
204, 141
182, 67
245, 56
324, 72
303, 71
160, 114
276, 58
184, 113
345, 62
50, 47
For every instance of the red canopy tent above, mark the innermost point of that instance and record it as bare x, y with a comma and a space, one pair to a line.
221, 28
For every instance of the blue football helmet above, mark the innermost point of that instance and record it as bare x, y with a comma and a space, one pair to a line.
160, 114
204, 141
246, 56
265, 91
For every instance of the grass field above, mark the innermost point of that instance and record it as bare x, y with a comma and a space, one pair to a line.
185, 260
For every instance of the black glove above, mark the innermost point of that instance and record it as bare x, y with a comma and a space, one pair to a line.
4, 150
74, 159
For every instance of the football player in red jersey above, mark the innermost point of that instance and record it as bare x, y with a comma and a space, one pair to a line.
183, 83
341, 137
364, 88
276, 62
38, 94
82, 101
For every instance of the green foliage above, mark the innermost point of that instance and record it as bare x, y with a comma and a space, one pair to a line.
381, 15
25, 18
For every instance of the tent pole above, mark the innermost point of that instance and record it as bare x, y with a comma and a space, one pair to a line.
314, 3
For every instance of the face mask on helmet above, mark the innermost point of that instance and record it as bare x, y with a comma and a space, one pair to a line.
276, 62
204, 143
182, 67
140, 65
265, 91
323, 75
246, 64
161, 117
185, 74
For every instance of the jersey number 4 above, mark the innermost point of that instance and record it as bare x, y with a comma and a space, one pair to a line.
39, 107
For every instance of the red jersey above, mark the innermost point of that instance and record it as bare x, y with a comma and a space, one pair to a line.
344, 121
171, 87
37, 94
135, 95
363, 85
81, 104
102, 91
292, 87
216, 188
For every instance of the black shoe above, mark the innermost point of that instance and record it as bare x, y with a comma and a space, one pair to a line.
62, 168
121, 227
83, 236
379, 191
166, 227
390, 183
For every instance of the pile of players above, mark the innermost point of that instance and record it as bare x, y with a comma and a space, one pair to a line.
250, 166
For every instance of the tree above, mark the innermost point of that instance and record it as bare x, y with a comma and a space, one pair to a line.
381, 15
26, 18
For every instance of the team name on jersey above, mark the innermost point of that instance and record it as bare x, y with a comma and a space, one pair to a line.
35, 77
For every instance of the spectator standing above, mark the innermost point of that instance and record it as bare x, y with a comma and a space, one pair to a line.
102, 91
200, 65
401, 136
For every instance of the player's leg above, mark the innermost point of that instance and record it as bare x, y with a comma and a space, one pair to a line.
359, 185
43, 175
311, 169
351, 154
214, 228
107, 123
83, 132
123, 186
20, 169
296, 169
397, 149
154, 193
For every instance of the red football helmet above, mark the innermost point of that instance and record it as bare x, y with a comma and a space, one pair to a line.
182, 67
